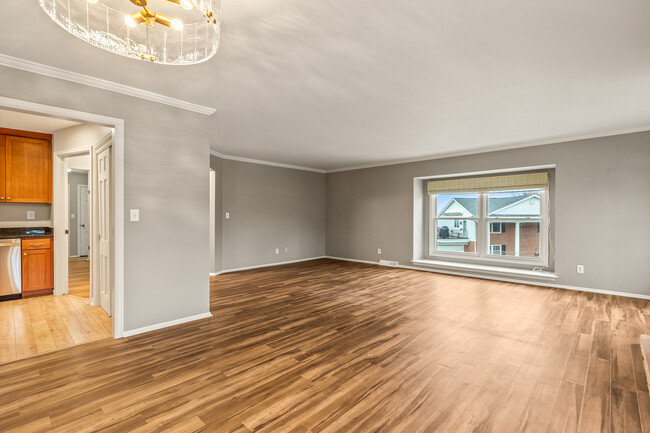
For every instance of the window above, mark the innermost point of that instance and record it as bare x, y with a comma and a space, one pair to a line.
489, 218
497, 227
499, 250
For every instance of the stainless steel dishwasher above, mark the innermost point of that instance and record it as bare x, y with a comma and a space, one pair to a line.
10, 275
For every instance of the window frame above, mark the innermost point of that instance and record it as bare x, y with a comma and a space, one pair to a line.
500, 228
482, 253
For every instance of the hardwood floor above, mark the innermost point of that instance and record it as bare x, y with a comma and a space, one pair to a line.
329, 346
43, 324
79, 277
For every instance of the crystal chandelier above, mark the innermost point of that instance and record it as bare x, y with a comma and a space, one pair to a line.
170, 32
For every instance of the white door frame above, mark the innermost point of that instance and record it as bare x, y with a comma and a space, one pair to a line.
61, 217
212, 231
79, 198
118, 182
104, 144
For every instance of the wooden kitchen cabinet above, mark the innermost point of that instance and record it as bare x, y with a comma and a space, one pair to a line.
25, 167
37, 266
3, 157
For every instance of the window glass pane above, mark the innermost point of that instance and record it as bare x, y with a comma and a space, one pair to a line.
456, 235
457, 205
516, 238
516, 204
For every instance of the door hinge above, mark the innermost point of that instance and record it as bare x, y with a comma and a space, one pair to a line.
67, 231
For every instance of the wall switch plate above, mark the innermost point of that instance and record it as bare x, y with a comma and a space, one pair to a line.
227, 215
286, 250
31, 215
135, 215
277, 251
378, 250
71, 216
580, 269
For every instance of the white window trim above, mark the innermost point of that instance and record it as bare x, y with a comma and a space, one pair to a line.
482, 242
492, 250
500, 227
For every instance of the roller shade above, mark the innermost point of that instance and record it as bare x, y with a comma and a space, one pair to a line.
510, 182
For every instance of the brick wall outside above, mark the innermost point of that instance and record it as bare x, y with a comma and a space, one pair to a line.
528, 239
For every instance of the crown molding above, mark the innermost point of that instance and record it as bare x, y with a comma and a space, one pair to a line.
261, 162
496, 148
111, 86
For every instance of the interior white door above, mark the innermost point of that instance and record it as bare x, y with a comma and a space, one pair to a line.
83, 222
104, 227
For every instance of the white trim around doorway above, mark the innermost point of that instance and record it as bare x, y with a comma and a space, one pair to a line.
118, 178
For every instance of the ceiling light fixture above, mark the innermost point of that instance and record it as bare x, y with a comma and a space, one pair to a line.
177, 32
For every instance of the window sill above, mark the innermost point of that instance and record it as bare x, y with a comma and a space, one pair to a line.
485, 269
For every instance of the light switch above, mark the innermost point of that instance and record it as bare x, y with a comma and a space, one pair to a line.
227, 215
31, 215
71, 216
135, 214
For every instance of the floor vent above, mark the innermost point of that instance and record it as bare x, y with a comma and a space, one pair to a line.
388, 263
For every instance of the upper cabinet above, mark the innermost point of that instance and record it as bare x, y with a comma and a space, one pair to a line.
25, 169
3, 156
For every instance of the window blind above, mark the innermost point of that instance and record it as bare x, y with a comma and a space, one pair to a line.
509, 182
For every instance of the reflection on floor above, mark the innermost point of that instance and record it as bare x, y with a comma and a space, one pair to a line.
38, 325
79, 277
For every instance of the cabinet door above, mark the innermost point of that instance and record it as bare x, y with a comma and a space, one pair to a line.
37, 270
28, 170
3, 157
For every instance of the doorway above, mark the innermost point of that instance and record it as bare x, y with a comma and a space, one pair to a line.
60, 212
79, 225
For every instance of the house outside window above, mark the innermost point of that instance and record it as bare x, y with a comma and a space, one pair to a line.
505, 219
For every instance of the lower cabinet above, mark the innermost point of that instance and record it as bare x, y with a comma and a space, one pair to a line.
37, 267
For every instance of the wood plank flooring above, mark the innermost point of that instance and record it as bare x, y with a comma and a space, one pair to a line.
39, 325
79, 277
330, 346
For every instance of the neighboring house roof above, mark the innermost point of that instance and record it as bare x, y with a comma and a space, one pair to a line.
495, 204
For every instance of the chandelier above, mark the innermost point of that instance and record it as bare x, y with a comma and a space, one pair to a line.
169, 32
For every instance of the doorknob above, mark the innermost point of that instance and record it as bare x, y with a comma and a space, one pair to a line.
83, 225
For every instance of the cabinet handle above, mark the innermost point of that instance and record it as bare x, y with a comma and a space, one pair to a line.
8, 198
2, 198
24, 254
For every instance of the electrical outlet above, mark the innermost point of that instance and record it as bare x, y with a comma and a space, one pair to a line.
277, 251
135, 215
227, 215
31, 215
378, 250
580, 269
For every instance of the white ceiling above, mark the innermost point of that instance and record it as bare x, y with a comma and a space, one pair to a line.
30, 122
334, 84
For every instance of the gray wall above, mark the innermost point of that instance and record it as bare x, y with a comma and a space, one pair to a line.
17, 213
217, 165
270, 207
600, 208
166, 177
74, 180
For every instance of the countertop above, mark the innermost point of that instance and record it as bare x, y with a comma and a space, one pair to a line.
25, 232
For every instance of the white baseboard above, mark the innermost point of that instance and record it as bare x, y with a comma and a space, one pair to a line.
508, 280
266, 265
166, 324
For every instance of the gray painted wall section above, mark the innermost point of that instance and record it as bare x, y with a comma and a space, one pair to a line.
166, 177
600, 210
74, 180
270, 207
217, 165
17, 212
